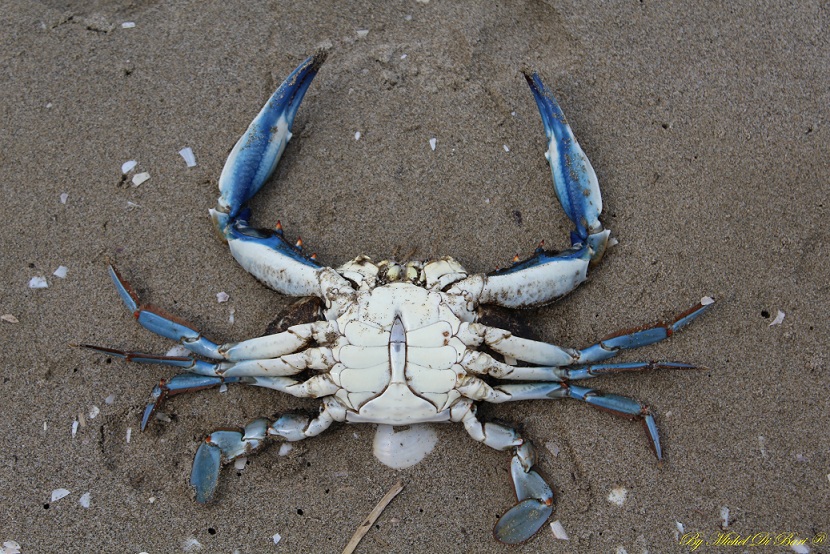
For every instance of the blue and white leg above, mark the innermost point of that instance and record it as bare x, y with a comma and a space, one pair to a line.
269, 373
167, 325
550, 355
224, 446
481, 363
534, 496
622, 406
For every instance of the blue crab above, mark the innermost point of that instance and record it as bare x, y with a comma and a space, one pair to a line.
399, 343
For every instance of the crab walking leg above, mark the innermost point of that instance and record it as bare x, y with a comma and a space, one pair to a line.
545, 354
160, 322
315, 387
476, 389
534, 495
613, 344
290, 364
482, 363
184, 382
224, 446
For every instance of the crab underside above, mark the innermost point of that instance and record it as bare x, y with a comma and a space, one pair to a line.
400, 343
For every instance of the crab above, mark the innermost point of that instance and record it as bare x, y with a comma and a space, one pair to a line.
399, 343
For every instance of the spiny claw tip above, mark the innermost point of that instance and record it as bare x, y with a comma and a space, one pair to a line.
299, 243
515, 258
278, 227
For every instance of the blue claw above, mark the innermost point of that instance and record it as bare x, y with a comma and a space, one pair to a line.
205, 474
573, 177
535, 506
257, 152
265, 253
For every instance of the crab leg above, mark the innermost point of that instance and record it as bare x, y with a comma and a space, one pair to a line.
290, 364
545, 354
482, 363
167, 325
534, 495
476, 389
264, 252
223, 446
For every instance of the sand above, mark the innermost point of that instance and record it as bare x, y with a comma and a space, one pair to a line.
707, 126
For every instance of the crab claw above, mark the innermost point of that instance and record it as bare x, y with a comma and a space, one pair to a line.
265, 253
574, 180
257, 152
535, 505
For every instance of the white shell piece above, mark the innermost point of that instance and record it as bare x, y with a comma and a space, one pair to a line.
38, 283
404, 448
57, 494
778, 319
64, 197
140, 178
285, 448
128, 25
222, 297
60, 273
277, 538
432, 143
240, 463
10, 547
178, 351
724, 517
617, 495
559, 531
85, 500
126, 167
191, 545
188, 156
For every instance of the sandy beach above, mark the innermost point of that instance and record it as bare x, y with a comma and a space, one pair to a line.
707, 125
